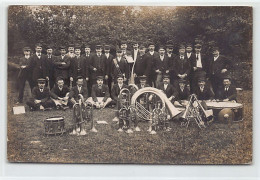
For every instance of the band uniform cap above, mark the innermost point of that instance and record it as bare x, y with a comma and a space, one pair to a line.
100, 77
107, 47
143, 77
123, 42
188, 45
87, 46
62, 47
166, 76
142, 47
49, 47
227, 76
77, 46
181, 46
119, 51
98, 46
59, 78
79, 77
202, 78
161, 47
120, 76
150, 43
38, 45
26, 49
134, 42
215, 48
41, 80
197, 45
169, 46
70, 45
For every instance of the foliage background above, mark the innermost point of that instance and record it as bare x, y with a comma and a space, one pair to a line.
230, 28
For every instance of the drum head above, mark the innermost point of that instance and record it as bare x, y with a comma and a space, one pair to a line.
55, 119
226, 115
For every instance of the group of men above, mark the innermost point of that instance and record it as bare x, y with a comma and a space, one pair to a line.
99, 76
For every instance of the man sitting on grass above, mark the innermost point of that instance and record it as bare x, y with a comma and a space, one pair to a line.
40, 97
78, 89
100, 96
227, 92
60, 94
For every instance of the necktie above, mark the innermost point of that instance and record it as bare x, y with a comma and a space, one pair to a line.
79, 89
197, 57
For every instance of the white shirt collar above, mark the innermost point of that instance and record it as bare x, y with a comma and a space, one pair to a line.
215, 58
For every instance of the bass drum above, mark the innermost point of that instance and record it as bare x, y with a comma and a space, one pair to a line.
54, 126
226, 111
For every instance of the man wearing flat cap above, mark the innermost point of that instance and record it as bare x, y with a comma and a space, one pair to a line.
181, 66
219, 66
168, 89
203, 90
24, 73
77, 66
97, 65
119, 66
141, 64
227, 92
78, 89
40, 99
38, 65
50, 62
62, 66
183, 90
100, 96
60, 93
151, 56
198, 65
161, 65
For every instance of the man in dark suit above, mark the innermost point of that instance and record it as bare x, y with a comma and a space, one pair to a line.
60, 93
77, 66
198, 64
24, 74
168, 89
100, 96
108, 63
161, 66
62, 66
135, 51
227, 92
151, 56
119, 66
40, 97
183, 90
181, 66
97, 65
189, 53
87, 59
38, 65
219, 66
78, 89
204, 90
171, 56
50, 62
141, 63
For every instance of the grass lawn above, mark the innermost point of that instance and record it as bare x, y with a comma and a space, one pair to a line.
217, 144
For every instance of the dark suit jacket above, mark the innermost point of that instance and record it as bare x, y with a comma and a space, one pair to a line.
132, 53
203, 62
182, 95
50, 64
206, 94
55, 92
139, 85
43, 96
215, 67
151, 63
39, 67
116, 90
162, 65
87, 60
103, 92
181, 66
99, 64
141, 65
231, 94
77, 67
25, 72
170, 91
61, 69
74, 92
123, 66
108, 64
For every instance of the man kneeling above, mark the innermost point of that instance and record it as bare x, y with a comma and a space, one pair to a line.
100, 97
40, 97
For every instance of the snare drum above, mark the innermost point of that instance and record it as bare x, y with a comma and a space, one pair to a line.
226, 109
54, 126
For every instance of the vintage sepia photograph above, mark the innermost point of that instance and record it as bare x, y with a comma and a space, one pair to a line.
130, 84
